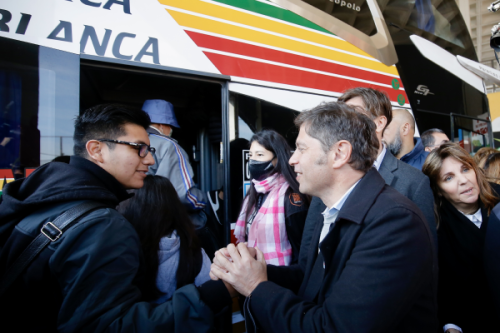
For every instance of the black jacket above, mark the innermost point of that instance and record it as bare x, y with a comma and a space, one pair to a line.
296, 206
492, 257
380, 271
407, 180
88, 280
468, 285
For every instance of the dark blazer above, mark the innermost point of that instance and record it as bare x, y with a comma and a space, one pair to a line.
380, 271
411, 183
468, 290
492, 257
407, 180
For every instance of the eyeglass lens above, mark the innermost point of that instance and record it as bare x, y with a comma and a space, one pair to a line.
143, 151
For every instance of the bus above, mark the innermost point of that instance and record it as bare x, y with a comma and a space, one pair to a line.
229, 67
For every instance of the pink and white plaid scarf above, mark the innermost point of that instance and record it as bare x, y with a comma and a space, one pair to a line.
268, 229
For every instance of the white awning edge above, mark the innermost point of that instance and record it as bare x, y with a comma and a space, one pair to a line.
447, 61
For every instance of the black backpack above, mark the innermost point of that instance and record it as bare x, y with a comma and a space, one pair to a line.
29, 294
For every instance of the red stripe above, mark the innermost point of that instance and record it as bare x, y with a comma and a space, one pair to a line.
249, 50
29, 171
273, 73
6, 173
187, 177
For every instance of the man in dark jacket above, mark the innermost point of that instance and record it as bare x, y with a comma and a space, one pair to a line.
89, 279
401, 142
408, 181
371, 264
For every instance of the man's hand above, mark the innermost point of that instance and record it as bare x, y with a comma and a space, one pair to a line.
251, 250
232, 292
244, 272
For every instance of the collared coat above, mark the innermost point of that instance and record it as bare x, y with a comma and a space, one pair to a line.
407, 180
380, 272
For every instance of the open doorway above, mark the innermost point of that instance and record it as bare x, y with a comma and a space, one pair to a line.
196, 101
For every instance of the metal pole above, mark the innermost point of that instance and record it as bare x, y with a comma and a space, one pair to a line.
226, 158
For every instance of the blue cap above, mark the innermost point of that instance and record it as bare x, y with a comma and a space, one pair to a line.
160, 112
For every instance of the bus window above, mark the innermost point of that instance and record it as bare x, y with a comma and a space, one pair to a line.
249, 115
471, 133
38, 103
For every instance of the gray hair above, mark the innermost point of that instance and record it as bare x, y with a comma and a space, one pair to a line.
331, 122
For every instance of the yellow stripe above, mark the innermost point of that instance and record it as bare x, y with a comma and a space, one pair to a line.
262, 23
221, 28
233, 15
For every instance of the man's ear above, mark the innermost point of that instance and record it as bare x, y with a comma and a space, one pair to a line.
381, 123
405, 129
94, 150
428, 149
342, 151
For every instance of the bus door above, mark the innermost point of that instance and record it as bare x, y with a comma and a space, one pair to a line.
198, 108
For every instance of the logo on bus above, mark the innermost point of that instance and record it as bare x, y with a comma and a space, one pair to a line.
347, 4
401, 99
395, 84
423, 90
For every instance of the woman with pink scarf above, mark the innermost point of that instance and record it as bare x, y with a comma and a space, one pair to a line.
274, 211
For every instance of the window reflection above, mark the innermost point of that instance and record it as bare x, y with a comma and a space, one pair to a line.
59, 102
10, 118
39, 89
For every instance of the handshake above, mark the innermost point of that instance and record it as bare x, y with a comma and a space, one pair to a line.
241, 268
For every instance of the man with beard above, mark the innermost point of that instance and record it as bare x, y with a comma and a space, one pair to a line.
371, 263
410, 182
400, 141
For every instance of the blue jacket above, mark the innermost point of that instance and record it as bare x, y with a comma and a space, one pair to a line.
89, 280
417, 156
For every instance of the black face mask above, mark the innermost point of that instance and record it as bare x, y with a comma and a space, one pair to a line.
260, 170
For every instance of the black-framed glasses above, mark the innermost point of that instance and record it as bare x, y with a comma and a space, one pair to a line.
142, 148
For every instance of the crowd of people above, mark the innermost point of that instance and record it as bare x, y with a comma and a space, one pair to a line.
363, 228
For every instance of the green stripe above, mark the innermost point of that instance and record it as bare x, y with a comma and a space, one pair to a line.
273, 11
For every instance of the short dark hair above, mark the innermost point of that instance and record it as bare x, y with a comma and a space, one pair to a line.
377, 103
332, 122
105, 121
427, 137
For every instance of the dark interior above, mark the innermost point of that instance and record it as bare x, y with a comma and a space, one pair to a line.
197, 104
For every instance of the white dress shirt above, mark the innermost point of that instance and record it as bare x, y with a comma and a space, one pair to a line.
476, 218
330, 214
380, 158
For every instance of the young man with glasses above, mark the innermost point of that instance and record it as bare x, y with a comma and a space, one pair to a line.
89, 279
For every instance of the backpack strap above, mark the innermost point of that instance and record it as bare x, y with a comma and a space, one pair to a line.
50, 232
